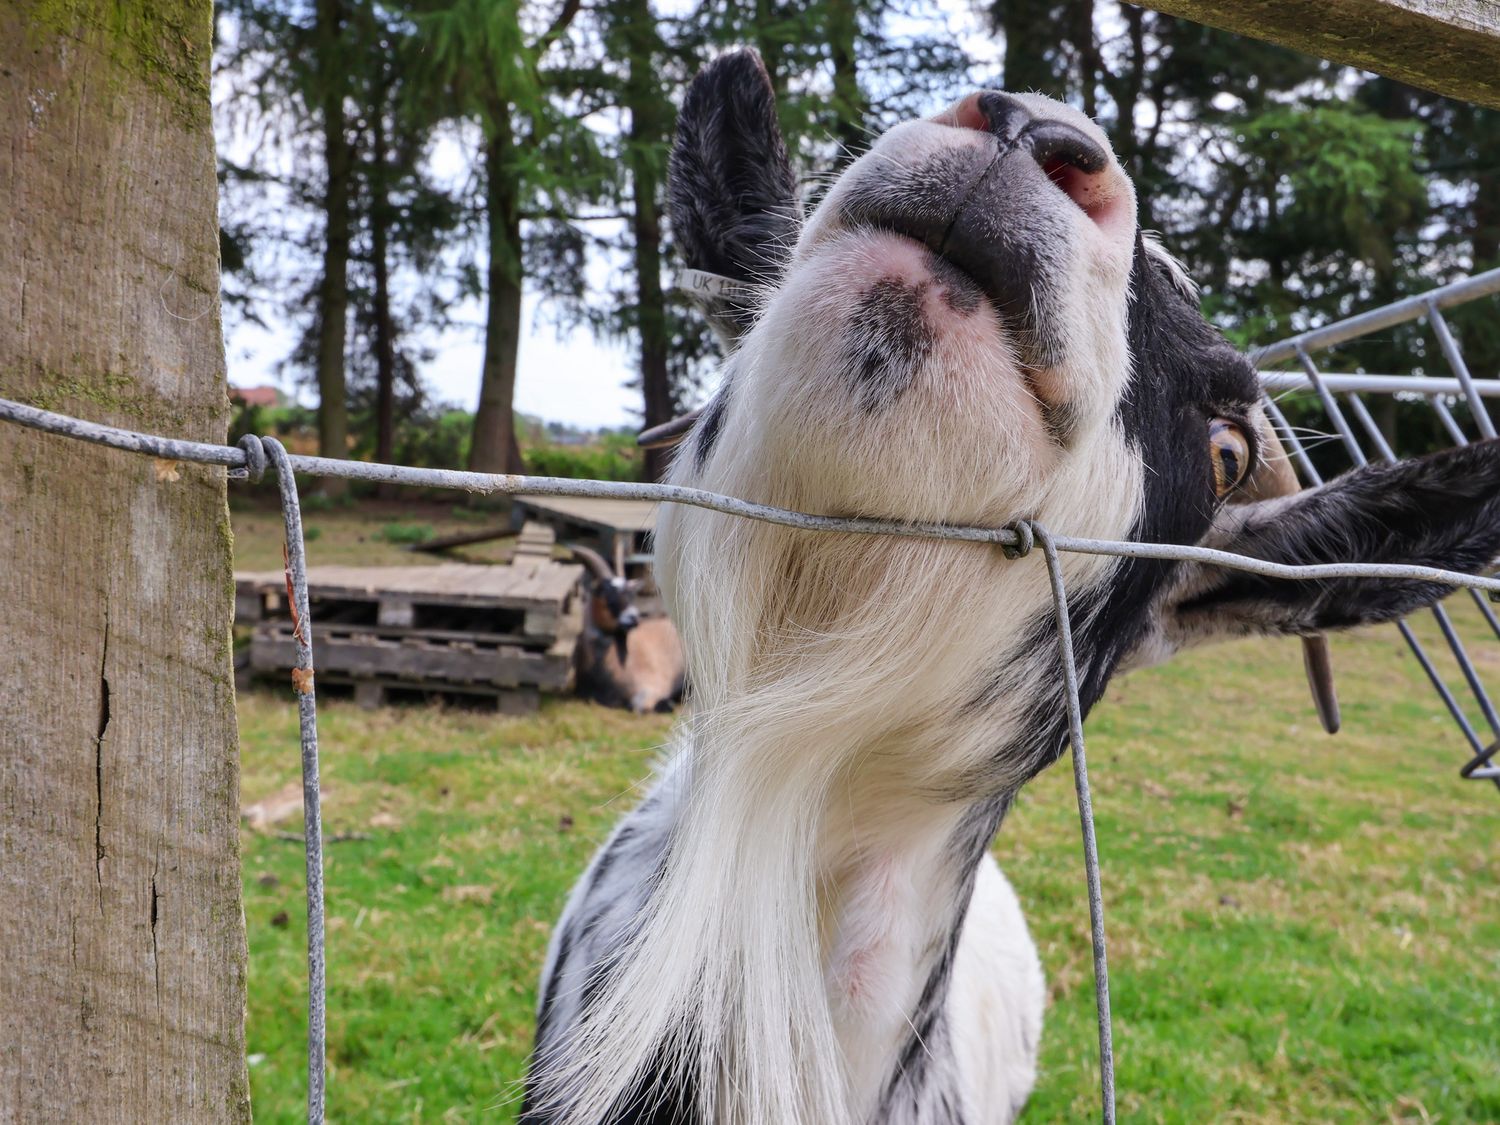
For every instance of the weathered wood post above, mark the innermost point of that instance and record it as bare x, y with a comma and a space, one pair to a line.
1448, 46
122, 940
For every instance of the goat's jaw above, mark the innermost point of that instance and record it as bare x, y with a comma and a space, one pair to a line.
949, 276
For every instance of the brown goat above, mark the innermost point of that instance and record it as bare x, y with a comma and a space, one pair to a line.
623, 659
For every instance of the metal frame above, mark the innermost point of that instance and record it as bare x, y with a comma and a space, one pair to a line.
1433, 390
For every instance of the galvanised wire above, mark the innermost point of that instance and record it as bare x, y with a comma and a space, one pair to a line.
260, 452
512, 484
250, 459
1086, 822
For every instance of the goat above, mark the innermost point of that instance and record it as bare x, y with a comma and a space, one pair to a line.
801, 923
622, 658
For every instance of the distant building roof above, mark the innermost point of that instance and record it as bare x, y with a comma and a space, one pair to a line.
255, 396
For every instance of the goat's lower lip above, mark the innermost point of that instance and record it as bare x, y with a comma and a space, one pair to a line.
949, 264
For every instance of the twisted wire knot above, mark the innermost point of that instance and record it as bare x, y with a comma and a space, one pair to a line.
255, 460
1021, 529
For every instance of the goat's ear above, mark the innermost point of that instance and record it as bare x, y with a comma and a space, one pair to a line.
1439, 511
732, 194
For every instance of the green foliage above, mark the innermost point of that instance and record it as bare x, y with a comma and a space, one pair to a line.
614, 458
1334, 179
405, 532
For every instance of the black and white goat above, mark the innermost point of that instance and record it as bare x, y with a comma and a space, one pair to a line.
624, 659
801, 923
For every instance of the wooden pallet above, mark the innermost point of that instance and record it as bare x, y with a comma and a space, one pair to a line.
504, 632
363, 655
528, 598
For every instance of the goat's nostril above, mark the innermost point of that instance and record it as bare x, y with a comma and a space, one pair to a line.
1073, 161
990, 111
1055, 142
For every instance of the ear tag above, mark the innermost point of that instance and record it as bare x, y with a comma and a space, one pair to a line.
703, 287
1318, 664
723, 301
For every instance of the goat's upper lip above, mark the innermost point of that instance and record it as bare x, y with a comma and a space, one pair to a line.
992, 212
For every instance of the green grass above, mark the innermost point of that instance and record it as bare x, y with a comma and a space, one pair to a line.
1302, 928
375, 533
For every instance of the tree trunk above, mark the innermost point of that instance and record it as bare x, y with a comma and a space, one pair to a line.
650, 117
122, 982
1081, 13
848, 100
385, 334
494, 449
333, 293
1028, 26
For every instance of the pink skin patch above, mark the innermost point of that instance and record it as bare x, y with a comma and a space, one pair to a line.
1097, 194
950, 301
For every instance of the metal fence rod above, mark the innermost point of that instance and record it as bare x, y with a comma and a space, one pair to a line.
1398, 312
508, 484
1445, 623
1450, 423
1331, 406
1086, 822
1433, 676
1441, 687
1280, 381
1460, 368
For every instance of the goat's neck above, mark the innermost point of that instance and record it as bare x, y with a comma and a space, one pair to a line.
886, 873
895, 872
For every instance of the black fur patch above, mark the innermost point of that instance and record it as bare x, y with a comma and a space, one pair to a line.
889, 341
1442, 510
706, 432
730, 185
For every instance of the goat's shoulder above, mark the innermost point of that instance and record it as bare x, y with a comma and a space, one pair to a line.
996, 1000
602, 909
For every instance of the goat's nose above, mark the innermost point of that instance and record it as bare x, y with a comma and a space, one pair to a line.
990, 111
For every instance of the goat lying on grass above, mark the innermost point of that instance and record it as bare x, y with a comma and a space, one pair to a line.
801, 923
624, 659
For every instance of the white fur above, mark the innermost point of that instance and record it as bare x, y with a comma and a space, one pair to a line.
818, 784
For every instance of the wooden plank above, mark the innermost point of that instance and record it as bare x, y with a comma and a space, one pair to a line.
397, 633
463, 539
396, 611
608, 516
541, 622
372, 658
451, 584
249, 606
370, 694
1451, 47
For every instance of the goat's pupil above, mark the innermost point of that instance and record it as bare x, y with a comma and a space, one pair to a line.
1231, 465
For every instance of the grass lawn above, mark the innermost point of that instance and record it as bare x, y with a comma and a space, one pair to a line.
1301, 928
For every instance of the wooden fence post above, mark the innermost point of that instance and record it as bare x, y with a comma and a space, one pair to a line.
122, 977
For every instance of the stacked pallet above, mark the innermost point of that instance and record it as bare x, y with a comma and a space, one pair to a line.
502, 632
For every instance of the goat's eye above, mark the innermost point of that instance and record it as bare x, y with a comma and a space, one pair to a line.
1230, 454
